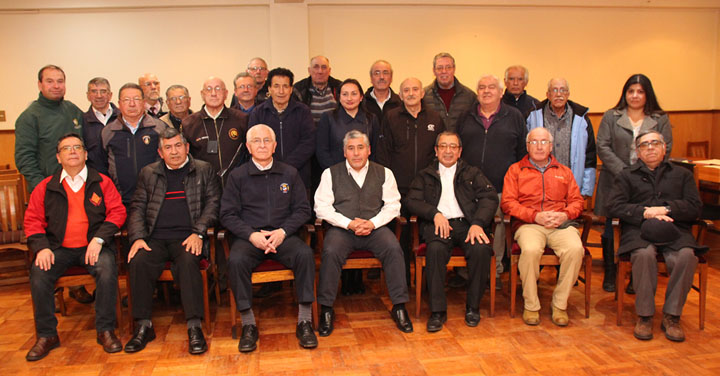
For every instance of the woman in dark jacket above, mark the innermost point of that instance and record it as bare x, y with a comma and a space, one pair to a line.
637, 111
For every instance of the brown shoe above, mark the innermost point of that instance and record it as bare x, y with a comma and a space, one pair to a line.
81, 295
42, 347
671, 326
531, 317
560, 317
643, 328
108, 340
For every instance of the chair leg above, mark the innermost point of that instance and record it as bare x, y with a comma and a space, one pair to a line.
513, 283
703, 268
418, 285
620, 289
166, 292
131, 319
493, 274
118, 309
218, 297
315, 316
588, 275
206, 302
60, 293
233, 314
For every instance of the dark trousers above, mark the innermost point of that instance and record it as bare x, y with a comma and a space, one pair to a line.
42, 286
145, 268
437, 256
338, 245
293, 253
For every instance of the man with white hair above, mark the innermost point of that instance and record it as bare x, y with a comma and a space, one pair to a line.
493, 134
516, 79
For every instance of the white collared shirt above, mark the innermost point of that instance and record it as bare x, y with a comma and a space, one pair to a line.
130, 126
325, 198
214, 117
261, 168
380, 104
103, 118
448, 204
77, 182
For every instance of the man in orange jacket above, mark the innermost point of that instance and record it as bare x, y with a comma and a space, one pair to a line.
543, 197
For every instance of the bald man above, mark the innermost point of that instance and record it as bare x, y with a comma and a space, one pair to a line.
151, 90
319, 91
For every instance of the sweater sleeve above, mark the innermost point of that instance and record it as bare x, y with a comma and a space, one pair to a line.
510, 197
306, 145
299, 207
26, 145
34, 222
231, 208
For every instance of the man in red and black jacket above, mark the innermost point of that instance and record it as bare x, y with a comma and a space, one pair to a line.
71, 217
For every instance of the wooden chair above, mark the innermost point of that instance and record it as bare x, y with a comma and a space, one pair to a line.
359, 259
268, 271
550, 259
457, 259
205, 266
12, 237
698, 149
625, 267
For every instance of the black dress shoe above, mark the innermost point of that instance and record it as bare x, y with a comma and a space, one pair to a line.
436, 321
305, 335
196, 341
109, 341
42, 347
142, 336
402, 320
248, 339
472, 316
327, 319
82, 295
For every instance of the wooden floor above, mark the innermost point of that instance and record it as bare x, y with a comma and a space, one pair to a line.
366, 342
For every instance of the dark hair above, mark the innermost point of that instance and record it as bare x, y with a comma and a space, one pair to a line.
281, 72
131, 85
448, 133
355, 82
69, 135
169, 133
49, 66
651, 103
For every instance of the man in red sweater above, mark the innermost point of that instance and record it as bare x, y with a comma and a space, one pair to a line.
71, 218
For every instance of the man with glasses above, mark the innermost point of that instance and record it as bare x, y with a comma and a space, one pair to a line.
151, 89
216, 133
446, 94
516, 79
258, 69
457, 204
657, 203
71, 218
131, 141
100, 113
543, 198
380, 97
264, 205
246, 91
178, 101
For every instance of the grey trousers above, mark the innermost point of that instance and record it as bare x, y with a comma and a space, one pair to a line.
681, 268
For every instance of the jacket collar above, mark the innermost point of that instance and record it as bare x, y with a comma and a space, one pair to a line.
55, 185
624, 121
577, 109
525, 163
159, 167
118, 124
49, 102
253, 170
224, 114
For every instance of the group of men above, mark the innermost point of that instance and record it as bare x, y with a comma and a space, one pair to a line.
453, 157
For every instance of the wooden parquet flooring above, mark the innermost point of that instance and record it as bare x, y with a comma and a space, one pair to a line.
366, 342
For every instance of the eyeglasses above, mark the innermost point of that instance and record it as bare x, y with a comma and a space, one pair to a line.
441, 68
128, 100
217, 89
67, 148
257, 69
177, 99
151, 83
99, 91
653, 143
452, 147
541, 142
258, 141
248, 86
560, 90
379, 73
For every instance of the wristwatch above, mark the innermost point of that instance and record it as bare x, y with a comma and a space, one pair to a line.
200, 236
99, 240
667, 207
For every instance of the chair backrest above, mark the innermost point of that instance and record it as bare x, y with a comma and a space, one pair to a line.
11, 211
698, 149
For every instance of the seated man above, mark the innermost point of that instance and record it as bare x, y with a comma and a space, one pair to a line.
264, 205
175, 202
657, 204
458, 204
358, 198
544, 198
70, 218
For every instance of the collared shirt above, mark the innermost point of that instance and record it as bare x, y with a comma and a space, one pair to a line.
448, 204
187, 159
261, 168
560, 128
134, 129
541, 168
77, 182
325, 198
156, 108
379, 103
103, 117
487, 121
214, 117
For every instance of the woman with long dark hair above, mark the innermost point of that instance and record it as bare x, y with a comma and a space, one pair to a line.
637, 111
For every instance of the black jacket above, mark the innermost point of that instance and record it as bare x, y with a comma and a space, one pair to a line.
525, 102
91, 133
637, 187
264, 200
202, 192
495, 149
407, 143
301, 89
332, 129
473, 191
372, 106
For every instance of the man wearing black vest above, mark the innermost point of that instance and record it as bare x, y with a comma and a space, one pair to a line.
358, 199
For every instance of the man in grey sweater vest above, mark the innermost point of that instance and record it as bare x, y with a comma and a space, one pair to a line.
358, 198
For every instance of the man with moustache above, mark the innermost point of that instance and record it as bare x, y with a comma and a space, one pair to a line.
178, 101
151, 89
246, 91
380, 98
516, 79
446, 94
100, 113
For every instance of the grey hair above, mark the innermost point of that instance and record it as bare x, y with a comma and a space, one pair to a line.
380, 61
448, 133
99, 81
527, 138
442, 55
176, 86
355, 134
257, 127
645, 133
240, 75
257, 58
567, 84
494, 77
315, 57
169, 133
526, 73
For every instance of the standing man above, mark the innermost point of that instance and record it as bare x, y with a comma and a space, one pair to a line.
176, 201
446, 94
494, 137
516, 79
216, 133
71, 217
542, 195
100, 113
657, 203
358, 198
264, 205
457, 204
380, 98
39, 127
246, 91
153, 101
131, 141
319, 91
258, 69
178, 101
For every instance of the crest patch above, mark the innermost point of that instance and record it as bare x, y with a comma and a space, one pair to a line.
431, 127
284, 188
95, 199
233, 134
146, 140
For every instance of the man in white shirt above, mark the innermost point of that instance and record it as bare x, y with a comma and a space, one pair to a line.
358, 199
